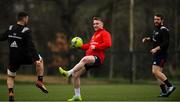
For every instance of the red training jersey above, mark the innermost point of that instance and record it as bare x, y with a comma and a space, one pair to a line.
101, 40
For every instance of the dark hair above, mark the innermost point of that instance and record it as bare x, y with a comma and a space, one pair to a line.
97, 18
159, 15
21, 15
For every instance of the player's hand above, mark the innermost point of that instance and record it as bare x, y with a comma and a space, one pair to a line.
93, 47
153, 51
145, 39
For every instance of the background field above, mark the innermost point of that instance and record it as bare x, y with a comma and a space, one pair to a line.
55, 22
108, 92
126, 73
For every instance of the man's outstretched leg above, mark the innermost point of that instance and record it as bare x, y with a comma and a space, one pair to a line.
77, 67
40, 72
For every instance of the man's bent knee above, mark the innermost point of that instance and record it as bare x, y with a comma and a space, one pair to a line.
39, 62
84, 59
87, 59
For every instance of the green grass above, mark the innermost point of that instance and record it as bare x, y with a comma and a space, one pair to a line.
122, 92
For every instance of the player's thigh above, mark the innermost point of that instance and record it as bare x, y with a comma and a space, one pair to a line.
156, 68
88, 59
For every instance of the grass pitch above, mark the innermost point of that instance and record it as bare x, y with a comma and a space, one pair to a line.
58, 92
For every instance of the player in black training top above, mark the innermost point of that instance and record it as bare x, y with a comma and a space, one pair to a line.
160, 40
22, 52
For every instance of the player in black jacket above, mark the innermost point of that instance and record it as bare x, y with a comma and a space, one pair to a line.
22, 52
160, 40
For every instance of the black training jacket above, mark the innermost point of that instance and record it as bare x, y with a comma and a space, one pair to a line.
20, 41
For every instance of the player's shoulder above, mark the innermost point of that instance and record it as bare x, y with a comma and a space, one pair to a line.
25, 29
10, 27
105, 31
163, 28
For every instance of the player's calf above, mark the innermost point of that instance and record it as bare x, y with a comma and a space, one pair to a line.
10, 83
11, 95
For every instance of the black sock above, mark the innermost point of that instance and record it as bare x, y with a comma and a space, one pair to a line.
40, 78
163, 88
167, 83
11, 90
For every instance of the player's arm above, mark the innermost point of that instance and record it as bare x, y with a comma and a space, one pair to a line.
146, 39
4, 36
154, 50
30, 45
106, 42
85, 46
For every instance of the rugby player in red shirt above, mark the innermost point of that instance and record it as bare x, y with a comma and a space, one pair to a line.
100, 41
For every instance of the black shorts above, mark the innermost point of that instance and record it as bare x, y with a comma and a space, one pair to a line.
159, 59
97, 63
16, 61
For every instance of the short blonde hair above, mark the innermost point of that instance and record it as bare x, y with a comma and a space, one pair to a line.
97, 18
